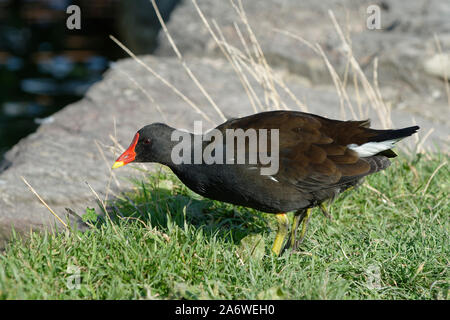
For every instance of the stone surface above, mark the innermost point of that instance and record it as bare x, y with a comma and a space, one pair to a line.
138, 24
63, 155
403, 45
405, 39
438, 65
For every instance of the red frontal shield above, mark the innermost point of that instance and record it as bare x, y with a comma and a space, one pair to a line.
129, 155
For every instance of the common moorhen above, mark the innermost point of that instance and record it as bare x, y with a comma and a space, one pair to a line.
312, 160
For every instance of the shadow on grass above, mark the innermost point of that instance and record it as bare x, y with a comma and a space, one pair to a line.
163, 200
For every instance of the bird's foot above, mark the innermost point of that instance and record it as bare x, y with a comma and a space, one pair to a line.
300, 217
325, 212
283, 229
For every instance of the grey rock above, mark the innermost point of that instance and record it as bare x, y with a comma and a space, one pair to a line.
438, 65
62, 155
138, 24
405, 40
403, 46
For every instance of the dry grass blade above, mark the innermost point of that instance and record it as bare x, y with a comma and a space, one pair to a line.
368, 186
183, 63
362, 115
112, 174
44, 203
149, 97
270, 93
342, 93
432, 176
299, 38
419, 145
243, 42
247, 87
238, 58
291, 95
103, 206
164, 81
447, 86
376, 103
256, 66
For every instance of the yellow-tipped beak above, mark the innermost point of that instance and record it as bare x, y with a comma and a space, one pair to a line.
118, 164
129, 155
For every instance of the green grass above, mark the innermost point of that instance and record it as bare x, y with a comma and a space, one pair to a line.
167, 242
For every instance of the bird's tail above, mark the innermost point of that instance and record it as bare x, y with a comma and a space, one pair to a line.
382, 142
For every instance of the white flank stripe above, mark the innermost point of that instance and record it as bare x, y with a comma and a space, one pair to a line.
371, 148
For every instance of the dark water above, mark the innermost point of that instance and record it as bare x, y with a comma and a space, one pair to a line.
44, 66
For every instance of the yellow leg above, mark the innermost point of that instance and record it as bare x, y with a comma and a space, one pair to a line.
305, 221
283, 228
297, 219
301, 216
325, 212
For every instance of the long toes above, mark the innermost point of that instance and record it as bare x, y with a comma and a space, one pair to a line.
297, 244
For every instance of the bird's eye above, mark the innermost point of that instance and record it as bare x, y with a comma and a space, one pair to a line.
147, 141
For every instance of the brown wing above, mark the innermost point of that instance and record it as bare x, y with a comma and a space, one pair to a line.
313, 152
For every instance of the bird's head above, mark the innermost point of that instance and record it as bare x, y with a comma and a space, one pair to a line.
149, 145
